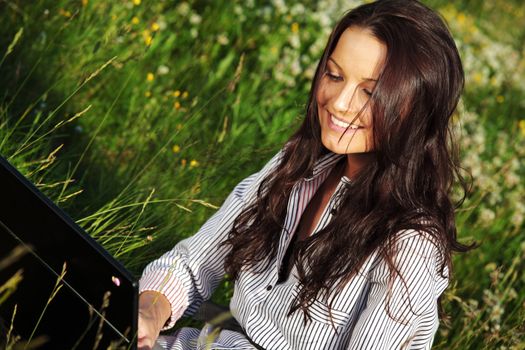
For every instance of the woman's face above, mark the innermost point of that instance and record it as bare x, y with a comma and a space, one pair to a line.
344, 89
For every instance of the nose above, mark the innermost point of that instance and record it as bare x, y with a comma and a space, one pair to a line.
345, 100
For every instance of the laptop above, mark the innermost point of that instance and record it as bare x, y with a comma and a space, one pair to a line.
73, 293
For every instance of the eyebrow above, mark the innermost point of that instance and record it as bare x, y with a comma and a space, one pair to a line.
338, 66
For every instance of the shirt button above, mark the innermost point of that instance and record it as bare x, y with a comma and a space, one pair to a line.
269, 287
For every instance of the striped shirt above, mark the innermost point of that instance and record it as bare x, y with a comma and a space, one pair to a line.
188, 274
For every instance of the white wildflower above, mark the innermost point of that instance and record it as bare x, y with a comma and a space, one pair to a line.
183, 9
280, 6
295, 67
194, 32
264, 28
297, 10
223, 39
163, 70
162, 23
195, 19
487, 216
309, 72
238, 10
511, 179
294, 41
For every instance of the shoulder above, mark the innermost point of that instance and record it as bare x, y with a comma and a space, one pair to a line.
412, 254
421, 243
247, 188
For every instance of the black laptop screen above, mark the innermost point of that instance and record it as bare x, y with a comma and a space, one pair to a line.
94, 304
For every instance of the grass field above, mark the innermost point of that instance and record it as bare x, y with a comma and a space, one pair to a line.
138, 118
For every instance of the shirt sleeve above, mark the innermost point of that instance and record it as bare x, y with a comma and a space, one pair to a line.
412, 303
189, 273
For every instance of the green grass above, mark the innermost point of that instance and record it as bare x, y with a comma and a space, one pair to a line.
138, 119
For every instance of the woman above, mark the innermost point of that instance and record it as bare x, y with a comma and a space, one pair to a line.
344, 238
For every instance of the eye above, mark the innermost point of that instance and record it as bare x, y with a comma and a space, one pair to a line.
332, 76
368, 92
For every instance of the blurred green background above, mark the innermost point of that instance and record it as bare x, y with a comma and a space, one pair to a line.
139, 117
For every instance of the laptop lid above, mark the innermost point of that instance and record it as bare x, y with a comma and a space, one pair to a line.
93, 305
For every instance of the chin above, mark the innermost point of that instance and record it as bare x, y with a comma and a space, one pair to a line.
331, 142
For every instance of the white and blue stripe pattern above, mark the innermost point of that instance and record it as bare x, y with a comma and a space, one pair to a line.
189, 273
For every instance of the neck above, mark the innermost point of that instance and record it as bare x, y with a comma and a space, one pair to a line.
355, 162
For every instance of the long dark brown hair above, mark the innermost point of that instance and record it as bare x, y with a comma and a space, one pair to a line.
407, 185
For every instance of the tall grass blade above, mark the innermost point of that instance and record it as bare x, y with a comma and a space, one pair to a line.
54, 292
12, 45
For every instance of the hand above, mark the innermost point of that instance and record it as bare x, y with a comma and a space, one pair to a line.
154, 311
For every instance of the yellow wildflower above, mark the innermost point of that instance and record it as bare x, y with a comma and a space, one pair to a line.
448, 12
295, 27
176, 93
194, 163
155, 26
461, 18
178, 127
185, 94
472, 28
84, 3
521, 125
176, 149
147, 93
478, 77
64, 13
150, 76
146, 35
455, 117
183, 162
135, 20
500, 98
274, 49
136, 2
177, 105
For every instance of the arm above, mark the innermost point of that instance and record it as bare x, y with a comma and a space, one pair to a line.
189, 273
413, 306
154, 310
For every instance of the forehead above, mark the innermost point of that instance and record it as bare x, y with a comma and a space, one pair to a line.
358, 52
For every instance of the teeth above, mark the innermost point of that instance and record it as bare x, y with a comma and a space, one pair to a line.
343, 124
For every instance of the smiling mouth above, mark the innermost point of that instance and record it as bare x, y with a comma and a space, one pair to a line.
344, 124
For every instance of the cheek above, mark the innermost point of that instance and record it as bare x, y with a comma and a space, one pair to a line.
366, 117
367, 120
321, 95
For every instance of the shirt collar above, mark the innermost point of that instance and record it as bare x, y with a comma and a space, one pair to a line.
325, 163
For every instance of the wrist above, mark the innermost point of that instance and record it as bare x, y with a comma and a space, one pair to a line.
157, 306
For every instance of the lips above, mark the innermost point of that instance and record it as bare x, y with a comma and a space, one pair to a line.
341, 124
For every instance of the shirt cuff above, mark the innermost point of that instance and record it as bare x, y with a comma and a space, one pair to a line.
171, 288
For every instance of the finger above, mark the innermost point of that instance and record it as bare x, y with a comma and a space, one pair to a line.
145, 343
